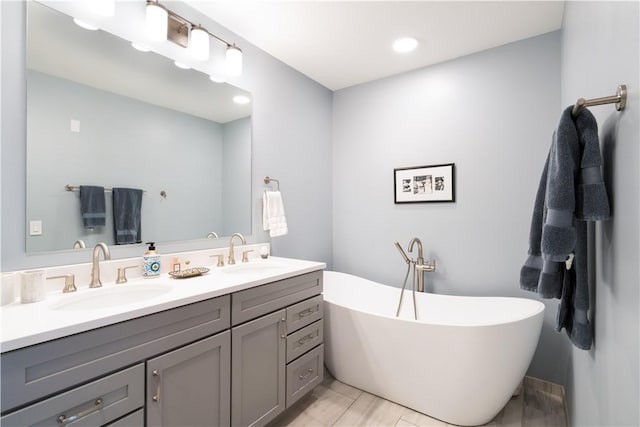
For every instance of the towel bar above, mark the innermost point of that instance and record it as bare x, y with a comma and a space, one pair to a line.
267, 180
70, 187
620, 99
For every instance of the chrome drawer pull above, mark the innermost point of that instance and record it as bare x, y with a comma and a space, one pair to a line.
156, 397
306, 312
305, 339
303, 376
97, 405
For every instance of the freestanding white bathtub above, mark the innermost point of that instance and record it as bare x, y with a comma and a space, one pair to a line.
459, 362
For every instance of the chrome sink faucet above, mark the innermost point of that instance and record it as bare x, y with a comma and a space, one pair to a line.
232, 259
95, 264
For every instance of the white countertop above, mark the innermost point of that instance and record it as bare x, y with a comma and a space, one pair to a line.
22, 325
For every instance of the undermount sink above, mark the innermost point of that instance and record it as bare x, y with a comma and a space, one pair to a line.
256, 267
94, 299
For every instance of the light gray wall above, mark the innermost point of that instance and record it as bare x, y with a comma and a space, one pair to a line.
492, 114
600, 50
236, 175
122, 143
291, 142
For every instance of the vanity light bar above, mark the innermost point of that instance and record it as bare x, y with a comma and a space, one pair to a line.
184, 33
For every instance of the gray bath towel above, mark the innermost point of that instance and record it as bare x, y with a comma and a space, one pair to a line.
573, 312
92, 206
537, 274
127, 207
592, 202
570, 192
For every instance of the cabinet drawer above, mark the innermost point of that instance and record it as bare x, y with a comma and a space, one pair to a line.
304, 340
93, 404
255, 302
41, 370
304, 313
304, 374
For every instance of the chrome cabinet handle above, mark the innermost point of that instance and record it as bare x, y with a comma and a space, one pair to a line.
305, 339
306, 312
156, 397
97, 405
306, 374
281, 327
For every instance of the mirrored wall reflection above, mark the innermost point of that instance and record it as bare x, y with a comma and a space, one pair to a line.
101, 113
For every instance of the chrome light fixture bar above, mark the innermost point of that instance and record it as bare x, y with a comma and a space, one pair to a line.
184, 33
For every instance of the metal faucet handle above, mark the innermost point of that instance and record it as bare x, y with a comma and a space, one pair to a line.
245, 258
69, 282
122, 273
220, 259
428, 266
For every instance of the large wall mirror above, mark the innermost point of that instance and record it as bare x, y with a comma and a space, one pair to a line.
101, 113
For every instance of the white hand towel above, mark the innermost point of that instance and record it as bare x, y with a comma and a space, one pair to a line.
273, 217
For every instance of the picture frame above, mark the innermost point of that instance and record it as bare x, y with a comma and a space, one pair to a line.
425, 184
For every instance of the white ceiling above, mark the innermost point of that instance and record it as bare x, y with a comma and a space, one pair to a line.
344, 43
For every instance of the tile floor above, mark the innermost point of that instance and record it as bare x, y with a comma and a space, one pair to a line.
336, 404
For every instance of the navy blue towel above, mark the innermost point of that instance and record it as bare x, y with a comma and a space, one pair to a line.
92, 206
127, 206
571, 192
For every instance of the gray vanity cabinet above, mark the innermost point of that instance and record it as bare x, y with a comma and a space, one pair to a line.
258, 370
190, 386
97, 377
276, 337
238, 359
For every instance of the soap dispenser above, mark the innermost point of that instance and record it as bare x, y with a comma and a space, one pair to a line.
151, 262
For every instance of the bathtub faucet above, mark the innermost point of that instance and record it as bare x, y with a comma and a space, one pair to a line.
402, 253
420, 266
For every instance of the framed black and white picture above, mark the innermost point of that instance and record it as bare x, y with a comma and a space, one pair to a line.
424, 184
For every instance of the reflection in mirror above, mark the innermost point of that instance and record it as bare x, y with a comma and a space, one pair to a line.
100, 113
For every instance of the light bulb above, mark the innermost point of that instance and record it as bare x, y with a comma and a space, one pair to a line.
199, 44
234, 60
156, 21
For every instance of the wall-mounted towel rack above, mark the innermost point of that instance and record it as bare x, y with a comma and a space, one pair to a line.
620, 99
268, 180
70, 187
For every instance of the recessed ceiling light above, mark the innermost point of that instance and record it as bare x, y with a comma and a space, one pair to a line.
84, 25
140, 47
182, 65
405, 44
241, 99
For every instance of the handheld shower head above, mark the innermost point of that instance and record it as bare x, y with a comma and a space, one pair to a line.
404, 255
